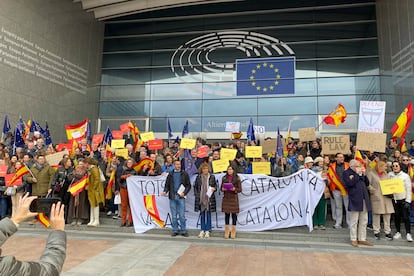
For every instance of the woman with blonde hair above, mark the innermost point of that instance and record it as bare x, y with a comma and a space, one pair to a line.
381, 205
95, 190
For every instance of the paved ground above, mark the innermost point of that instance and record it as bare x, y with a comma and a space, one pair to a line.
111, 250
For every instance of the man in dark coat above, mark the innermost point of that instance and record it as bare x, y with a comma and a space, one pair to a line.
356, 183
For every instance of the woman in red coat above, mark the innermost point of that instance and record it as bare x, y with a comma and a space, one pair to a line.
230, 186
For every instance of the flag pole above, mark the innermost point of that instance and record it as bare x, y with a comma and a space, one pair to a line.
336, 107
29, 170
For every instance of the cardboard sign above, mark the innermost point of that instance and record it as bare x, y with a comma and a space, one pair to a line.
187, 143
122, 152
269, 146
202, 152
253, 151
261, 168
97, 138
228, 154
117, 134
220, 165
3, 170
55, 158
147, 136
307, 134
155, 144
335, 144
118, 143
393, 185
232, 126
375, 142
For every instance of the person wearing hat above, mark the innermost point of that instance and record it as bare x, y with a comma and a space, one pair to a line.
308, 162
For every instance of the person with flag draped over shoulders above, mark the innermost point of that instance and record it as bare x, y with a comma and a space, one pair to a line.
127, 171
356, 183
19, 189
78, 211
339, 196
53, 257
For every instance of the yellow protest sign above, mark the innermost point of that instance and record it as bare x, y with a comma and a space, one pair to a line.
118, 143
147, 136
187, 143
391, 186
228, 154
122, 152
220, 165
261, 168
253, 151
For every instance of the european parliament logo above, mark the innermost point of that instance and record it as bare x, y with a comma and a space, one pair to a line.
264, 76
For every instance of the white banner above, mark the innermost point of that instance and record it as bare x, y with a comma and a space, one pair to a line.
371, 116
265, 202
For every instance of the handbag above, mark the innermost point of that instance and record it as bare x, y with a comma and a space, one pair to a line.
10, 191
117, 199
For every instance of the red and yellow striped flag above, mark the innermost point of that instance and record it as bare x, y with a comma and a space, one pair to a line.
111, 182
140, 165
151, 206
337, 116
334, 180
358, 157
400, 127
19, 173
43, 219
78, 186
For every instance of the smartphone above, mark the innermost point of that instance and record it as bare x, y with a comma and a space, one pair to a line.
42, 205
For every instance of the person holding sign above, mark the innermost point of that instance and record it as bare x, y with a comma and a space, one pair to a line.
126, 209
381, 205
231, 186
402, 202
205, 199
359, 205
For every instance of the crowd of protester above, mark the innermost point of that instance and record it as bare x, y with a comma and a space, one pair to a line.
95, 162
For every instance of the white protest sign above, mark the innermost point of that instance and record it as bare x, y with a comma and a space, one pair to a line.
371, 116
259, 129
232, 127
266, 203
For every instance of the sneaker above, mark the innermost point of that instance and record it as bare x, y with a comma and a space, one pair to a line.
116, 212
207, 235
116, 217
109, 213
322, 227
201, 235
397, 236
185, 234
337, 226
377, 236
409, 238
315, 227
173, 234
388, 237
369, 227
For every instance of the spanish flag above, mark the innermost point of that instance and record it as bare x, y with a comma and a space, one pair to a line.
77, 131
400, 127
334, 180
151, 206
78, 186
19, 173
337, 116
43, 219
358, 157
146, 161
109, 154
111, 182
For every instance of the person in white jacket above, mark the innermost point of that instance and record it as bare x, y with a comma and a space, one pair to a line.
402, 201
53, 256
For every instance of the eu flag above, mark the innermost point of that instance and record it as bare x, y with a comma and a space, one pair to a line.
264, 76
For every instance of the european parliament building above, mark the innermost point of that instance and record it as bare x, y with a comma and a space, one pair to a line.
156, 61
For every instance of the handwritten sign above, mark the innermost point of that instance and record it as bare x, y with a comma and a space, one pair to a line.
228, 154
118, 144
371, 141
147, 136
220, 165
269, 145
253, 151
155, 144
55, 158
393, 185
187, 143
232, 126
307, 134
335, 144
261, 168
122, 152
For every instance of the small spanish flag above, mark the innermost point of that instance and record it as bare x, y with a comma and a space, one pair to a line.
151, 206
337, 116
78, 186
19, 173
358, 157
111, 182
43, 219
146, 161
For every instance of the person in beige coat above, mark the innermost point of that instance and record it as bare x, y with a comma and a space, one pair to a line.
381, 204
95, 191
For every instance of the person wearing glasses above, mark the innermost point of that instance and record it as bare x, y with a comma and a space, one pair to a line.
402, 201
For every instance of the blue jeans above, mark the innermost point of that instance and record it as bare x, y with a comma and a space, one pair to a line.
205, 218
3, 207
177, 207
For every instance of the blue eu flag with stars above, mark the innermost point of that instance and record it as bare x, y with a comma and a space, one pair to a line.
264, 76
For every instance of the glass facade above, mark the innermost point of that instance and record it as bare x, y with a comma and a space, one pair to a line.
180, 64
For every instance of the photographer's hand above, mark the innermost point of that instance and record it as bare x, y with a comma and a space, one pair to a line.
57, 216
22, 211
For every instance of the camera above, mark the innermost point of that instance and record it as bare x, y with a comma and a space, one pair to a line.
42, 205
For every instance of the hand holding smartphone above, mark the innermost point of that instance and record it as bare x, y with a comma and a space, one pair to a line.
42, 205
